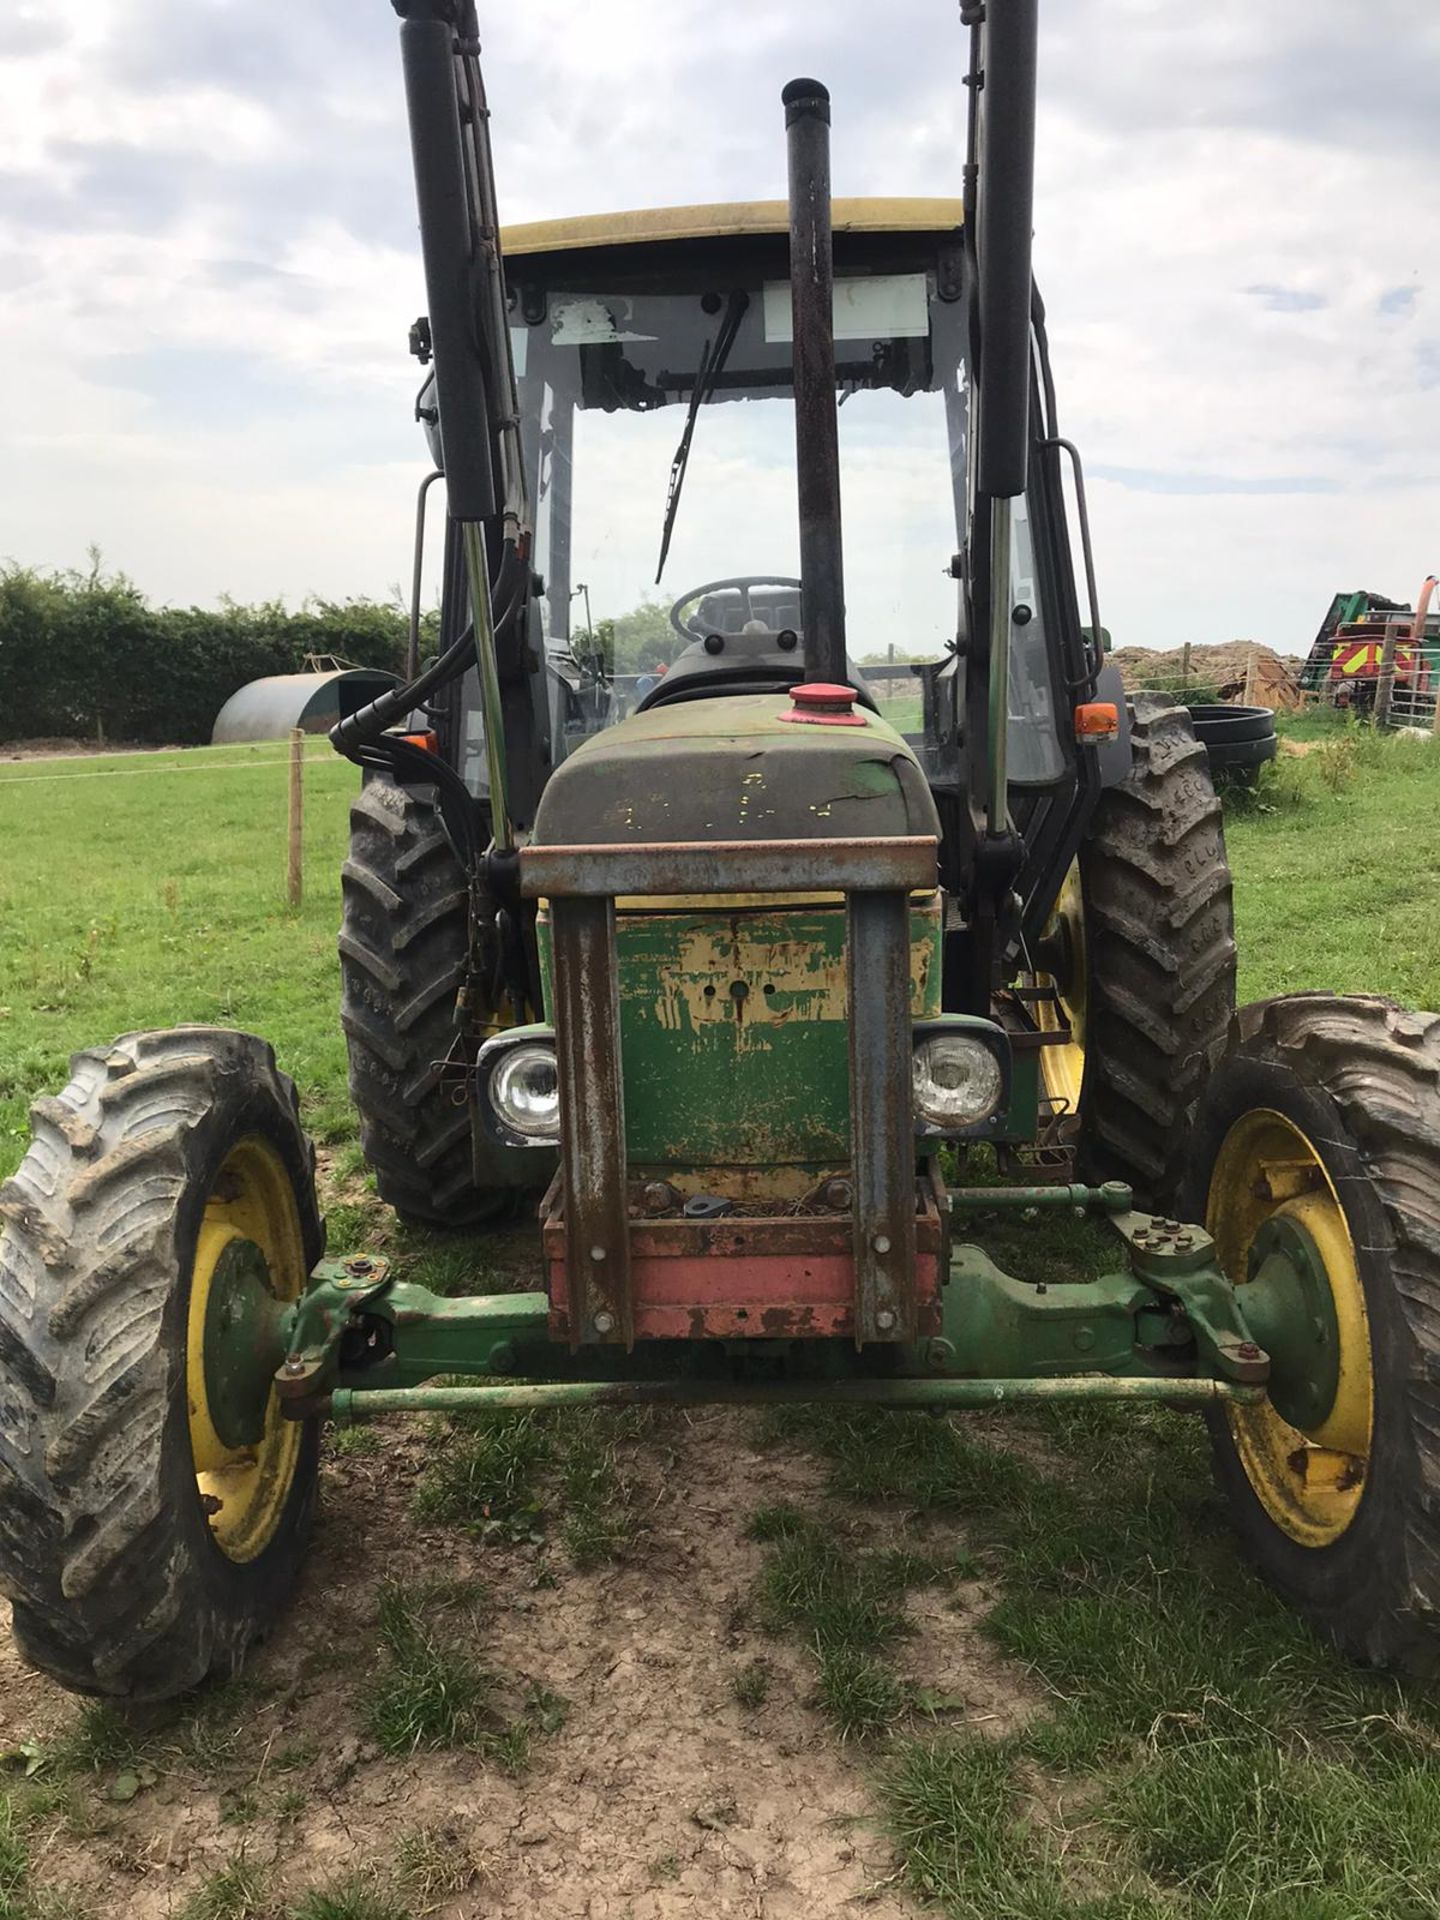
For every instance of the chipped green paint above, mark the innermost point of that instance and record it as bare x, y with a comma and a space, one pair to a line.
734, 1033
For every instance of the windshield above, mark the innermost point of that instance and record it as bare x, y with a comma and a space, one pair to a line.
610, 377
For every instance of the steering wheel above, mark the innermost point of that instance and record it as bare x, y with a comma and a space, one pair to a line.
746, 582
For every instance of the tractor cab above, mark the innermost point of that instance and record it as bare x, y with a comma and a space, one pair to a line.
653, 354
655, 376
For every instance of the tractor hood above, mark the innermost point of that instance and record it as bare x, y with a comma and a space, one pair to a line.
731, 768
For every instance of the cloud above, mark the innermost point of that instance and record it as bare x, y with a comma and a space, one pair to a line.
208, 266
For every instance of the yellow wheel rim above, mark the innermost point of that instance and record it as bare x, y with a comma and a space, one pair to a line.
1062, 1067
244, 1485
1309, 1481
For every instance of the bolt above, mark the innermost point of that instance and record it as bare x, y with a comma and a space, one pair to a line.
361, 1265
502, 1357
1084, 1338
1248, 1350
597, 1254
604, 1323
294, 1365
882, 1243
885, 1319
836, 1194
1184, 1239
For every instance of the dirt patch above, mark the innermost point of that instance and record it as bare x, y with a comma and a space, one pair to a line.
660, 1795
955, 1667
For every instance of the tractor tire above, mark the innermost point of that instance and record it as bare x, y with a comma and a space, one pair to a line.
404, 939
134, 1569
1339, 1097
1153, 960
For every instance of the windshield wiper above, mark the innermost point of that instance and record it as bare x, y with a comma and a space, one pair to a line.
712, 365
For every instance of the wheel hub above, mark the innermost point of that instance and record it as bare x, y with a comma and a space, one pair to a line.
1290, 1308
244, 1343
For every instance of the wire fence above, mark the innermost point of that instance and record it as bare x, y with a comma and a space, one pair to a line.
319, 751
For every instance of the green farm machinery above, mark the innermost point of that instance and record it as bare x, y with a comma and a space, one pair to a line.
774, 1007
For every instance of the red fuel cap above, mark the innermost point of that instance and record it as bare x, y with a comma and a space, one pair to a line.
819, 703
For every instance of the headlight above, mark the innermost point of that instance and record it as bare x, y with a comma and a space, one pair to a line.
524, 1091
959, 1082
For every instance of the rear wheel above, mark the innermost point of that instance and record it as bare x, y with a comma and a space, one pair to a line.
1317, 1169
154, 1505
1139, 960
404, 942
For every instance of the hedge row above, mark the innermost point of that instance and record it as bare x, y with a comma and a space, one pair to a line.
87, 656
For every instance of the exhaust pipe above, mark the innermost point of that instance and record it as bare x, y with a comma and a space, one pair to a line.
817, 440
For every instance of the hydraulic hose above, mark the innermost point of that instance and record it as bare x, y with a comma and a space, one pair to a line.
369, 723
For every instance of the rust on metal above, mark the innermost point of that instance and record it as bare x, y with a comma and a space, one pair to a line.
906, 863
747, 1276
882, 1119
592, 1112
347, 1405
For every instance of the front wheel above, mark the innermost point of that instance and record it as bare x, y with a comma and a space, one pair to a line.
1317, 1169
154, 1504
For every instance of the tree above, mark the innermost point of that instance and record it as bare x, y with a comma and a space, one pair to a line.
643, 638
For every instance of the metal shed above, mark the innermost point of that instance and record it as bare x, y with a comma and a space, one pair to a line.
268, 709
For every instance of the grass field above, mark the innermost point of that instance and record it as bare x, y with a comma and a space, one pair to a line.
1019, 1654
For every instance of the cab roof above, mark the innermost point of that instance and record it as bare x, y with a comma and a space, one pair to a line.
737, 220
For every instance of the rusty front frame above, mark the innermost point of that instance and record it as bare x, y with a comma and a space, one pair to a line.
876, 876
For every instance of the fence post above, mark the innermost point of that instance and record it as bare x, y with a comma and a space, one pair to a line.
1385, 689
296, 864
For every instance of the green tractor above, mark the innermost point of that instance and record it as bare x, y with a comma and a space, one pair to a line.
771, 1003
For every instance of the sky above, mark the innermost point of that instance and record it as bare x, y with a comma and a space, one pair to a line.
208, 267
